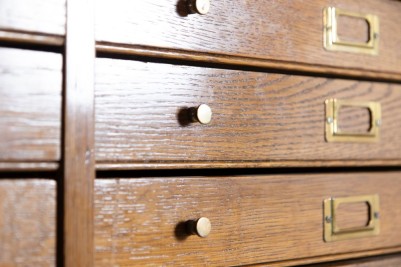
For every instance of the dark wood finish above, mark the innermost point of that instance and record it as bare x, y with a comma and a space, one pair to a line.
237, 164
141, 115
78, 157
29, 166
27, 223
241, 61
35, 16
281, 30
31, 38
254, 219
30, 105
380, 261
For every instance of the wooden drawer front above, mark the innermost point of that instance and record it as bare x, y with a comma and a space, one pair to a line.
256, 116
254, 219
280, 30
39, 16
27, 223
30, 105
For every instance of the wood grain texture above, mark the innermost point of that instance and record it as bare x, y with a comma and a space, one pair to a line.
78, 151
39, 16
29, 166
141, 111
380, 261
27, 223
166, 53
254, 219
330, 258
281, 30
30, 105
241, 164
31, 38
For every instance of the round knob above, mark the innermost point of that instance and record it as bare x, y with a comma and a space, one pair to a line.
199, 6
203, 227
202, 114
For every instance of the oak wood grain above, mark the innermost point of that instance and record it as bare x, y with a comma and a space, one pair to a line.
280, 30
78, 152
254, 218
31, 38
107, 166
330, 258
27, 223
379, 261
29, 166
195, 56
30, 105
38, 16
142, 109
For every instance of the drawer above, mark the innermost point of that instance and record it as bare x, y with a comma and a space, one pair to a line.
281, 30
254, 219
30, 105
142, 114
38, 16
27, 223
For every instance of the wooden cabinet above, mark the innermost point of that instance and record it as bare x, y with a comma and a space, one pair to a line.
200, 133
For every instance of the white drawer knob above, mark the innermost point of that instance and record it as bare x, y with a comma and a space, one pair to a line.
203, 227
201, 114
199, 6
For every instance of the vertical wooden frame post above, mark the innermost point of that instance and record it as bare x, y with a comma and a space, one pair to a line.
78, 144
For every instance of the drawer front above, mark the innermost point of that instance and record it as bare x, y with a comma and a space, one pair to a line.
27, 223
39, 16
280, 30
30, 105
253, 219
142, 108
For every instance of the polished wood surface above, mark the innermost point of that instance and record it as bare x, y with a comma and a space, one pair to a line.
107, 166
281, 30
254, 219
380, 261
142, 115
262, 69
78, 152
27, 223
31, 38
29, 166
204, 57
38, 16
30, 105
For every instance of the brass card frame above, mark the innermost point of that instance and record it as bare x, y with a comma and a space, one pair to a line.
333, 132
332, 42
334, 233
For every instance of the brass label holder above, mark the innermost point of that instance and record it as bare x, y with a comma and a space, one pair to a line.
332, 42
334, 133
332, 232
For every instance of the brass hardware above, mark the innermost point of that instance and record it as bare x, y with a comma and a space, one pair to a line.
202, 114
334, 134
334, 43
199, 6
200, 227
334, 233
